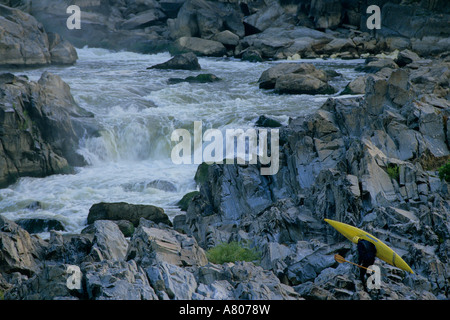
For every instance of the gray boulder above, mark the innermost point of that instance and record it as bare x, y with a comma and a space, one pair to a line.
171, 281
201, 47
295, 78
406, 57
61, 51
150, 245
227, 38
302, 84
19, 252
117, 280
109, 243
25, 43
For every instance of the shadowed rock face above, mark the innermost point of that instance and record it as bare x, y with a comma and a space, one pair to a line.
40, 125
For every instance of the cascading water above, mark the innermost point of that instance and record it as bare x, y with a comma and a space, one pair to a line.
137, 111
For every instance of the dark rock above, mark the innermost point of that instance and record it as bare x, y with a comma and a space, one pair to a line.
40, 225
117, 280
125, 211
264, 18
406, 57
184, 202
69, 248
171, 7
185, 61
49, 284
252, 56
327, 14
201, 78
415, 21
264, 121
150, 245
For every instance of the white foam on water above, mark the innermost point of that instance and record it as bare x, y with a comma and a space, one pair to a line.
138, 110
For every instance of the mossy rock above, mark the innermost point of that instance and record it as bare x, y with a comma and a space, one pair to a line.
202, 173
184, 202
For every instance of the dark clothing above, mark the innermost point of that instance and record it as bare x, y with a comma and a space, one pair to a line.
366, 256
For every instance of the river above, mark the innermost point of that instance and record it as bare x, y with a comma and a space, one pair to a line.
138, 110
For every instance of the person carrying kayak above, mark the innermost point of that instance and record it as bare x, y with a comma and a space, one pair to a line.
366, 257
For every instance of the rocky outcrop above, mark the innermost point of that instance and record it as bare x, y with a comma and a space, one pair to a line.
41, 126
24, 42
157, 262
369, 161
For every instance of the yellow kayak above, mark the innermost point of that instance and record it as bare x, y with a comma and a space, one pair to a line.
383, 251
